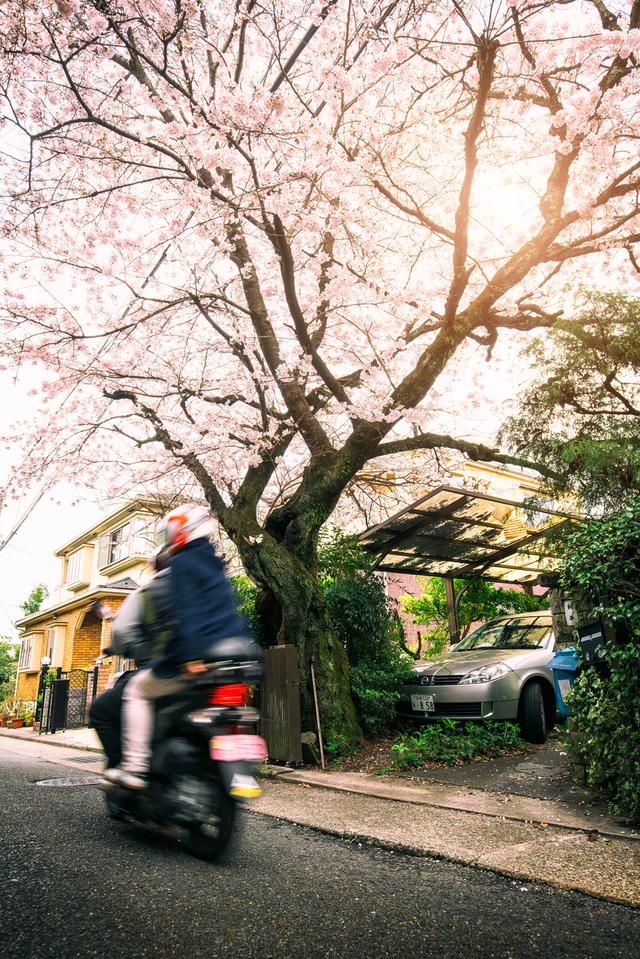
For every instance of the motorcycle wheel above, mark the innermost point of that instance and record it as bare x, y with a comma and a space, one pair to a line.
210, 840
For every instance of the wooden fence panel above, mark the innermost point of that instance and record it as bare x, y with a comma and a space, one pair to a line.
280, 704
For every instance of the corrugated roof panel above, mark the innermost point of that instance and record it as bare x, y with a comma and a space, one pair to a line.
463, 533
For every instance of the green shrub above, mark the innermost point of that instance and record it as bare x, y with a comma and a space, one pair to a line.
246, 593
449, 741
363, 622
338, 747
606, 719
601, 567
8, 669
601, 558
367, 627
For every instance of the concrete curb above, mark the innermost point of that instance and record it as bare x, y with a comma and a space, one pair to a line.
416, 851
460, 802
457, 802
357, 816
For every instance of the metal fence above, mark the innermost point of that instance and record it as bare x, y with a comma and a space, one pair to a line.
66, 701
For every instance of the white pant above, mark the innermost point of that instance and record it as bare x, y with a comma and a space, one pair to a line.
138, 715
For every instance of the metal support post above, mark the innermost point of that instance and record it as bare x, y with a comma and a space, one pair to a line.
452, 612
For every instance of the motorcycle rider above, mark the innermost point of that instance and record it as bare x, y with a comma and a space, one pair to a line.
140, 632
203, 612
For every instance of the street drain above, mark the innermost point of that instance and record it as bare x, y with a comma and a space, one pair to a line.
85, 759
85, 781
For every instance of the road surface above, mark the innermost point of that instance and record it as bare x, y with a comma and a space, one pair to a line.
75, 884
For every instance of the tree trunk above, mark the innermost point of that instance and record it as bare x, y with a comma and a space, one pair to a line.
282, 559
293, 610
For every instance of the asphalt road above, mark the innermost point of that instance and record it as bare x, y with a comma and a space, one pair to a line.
75, 884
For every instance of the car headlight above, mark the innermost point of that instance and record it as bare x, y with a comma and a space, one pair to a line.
486, 674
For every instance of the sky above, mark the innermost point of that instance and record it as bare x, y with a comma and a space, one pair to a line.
28, 559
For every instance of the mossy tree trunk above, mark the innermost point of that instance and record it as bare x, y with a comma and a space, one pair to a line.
281, 557
294, 612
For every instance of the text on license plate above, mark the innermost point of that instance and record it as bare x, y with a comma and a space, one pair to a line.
422, 703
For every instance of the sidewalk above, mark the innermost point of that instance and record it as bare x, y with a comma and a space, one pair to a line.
82, 738
528, 839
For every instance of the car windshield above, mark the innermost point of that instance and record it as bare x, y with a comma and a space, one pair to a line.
507, 634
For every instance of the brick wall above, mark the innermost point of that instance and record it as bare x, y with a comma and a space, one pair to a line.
27, 686
85, 641
104, 672
403, 584
86, 645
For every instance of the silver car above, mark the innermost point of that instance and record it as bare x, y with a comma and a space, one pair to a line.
498, 672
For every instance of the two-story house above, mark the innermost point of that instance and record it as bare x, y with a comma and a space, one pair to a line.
104, 564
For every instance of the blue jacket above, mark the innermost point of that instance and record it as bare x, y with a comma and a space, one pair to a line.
203, 607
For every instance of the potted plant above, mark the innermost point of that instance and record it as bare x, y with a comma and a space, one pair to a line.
13, 720
5, 712
27, 714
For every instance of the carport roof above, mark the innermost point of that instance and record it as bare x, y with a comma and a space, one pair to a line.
466, 534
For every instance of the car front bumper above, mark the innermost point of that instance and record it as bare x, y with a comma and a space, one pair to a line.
497, 700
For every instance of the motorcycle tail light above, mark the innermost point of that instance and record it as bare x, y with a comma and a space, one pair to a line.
234, 694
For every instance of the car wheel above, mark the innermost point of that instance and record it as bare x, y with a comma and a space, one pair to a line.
533, 718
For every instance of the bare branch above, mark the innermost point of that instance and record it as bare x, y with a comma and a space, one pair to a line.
475, 451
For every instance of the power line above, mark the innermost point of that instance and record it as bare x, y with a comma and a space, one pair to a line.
9, 619
32, 566
21, 549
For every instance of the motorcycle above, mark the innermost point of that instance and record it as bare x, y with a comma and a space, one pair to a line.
204, 752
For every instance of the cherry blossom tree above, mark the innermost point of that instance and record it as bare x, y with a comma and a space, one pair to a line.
249, 245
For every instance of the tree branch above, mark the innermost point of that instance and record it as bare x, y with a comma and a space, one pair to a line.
486, 55
287, 271
475, 451
173, 446
292, 391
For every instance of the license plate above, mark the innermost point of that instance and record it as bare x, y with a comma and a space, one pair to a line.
423, 704
238, 747
244, 787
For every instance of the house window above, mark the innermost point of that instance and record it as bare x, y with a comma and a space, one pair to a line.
143, 536
51, 638
26, 652
119, 543
75, 567
135, 538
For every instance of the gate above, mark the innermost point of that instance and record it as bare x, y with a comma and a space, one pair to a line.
280, 704
67, 700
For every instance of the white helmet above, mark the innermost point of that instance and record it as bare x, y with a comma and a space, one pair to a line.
184, 524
